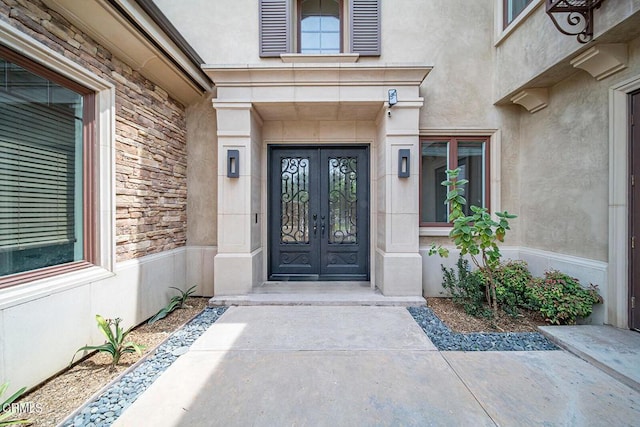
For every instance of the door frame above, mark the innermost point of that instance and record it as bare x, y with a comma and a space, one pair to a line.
634, 218
269, 148
617, 296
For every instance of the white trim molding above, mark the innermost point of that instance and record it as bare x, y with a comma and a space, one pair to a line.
503, 33
105, 142
533, 99
104, 23
617, 313
602, 60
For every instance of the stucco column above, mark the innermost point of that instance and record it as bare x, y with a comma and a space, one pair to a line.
398, 261
237, 265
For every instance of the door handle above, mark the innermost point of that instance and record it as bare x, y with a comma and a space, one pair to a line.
315, 224
322, 226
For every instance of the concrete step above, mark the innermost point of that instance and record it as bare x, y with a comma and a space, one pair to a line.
614, 351
316, 293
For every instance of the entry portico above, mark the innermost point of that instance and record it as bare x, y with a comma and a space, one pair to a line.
312, 105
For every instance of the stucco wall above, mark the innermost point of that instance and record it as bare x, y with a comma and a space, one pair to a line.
150, 135
455, 36
564, 171
221, 31
537, 46
564, 166
202, 174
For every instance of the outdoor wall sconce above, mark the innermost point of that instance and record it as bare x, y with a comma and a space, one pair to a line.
404, 164
233, 163
578, 15
392, 99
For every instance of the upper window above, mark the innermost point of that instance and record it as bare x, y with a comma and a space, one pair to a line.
513, 8
440, 154
319, 27
45, 144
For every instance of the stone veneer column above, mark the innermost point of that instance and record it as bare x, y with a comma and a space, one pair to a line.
398, 261
235, 262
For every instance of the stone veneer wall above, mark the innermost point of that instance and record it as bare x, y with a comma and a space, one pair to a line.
151, 182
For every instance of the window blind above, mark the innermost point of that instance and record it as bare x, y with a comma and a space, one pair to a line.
37, 174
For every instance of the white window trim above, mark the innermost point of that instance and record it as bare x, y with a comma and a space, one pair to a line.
495, 179
105, 137
502, 33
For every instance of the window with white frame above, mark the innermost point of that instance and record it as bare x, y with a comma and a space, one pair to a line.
319, 27
513, 8
46, 152
437, 155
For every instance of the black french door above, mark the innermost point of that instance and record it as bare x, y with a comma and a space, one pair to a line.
319, 213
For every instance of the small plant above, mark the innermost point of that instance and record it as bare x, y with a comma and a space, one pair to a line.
175, 303
561, 299
512, 280
466, 288
5, 409
115, 344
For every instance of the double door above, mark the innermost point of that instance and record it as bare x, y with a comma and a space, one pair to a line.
319, 213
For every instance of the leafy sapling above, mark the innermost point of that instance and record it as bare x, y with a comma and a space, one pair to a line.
476, 234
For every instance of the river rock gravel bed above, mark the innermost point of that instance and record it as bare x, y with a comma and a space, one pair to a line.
446, 340
104, 410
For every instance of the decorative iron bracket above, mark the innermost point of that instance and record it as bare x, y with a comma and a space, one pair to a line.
578, 15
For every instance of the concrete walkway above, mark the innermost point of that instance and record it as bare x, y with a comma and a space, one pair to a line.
362, 366
615, 351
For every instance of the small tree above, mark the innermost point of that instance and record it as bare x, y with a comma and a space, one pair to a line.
476, 234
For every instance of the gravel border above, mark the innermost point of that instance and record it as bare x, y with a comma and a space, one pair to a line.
106, 408
446, 340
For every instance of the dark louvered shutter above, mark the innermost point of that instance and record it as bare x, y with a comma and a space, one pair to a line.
365, 27
274, 27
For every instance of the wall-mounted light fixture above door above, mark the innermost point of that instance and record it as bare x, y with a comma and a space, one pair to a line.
392, 100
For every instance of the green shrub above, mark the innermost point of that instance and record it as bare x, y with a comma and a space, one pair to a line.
561, 299
467, 288
512, 280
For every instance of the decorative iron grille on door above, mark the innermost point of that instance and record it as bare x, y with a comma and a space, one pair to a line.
319, 213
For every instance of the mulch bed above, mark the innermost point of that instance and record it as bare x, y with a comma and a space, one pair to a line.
60, 395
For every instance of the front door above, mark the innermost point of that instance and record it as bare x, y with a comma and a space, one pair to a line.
319, 213
634, 213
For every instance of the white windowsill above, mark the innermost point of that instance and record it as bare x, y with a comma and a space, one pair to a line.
435, 231
20, 294
300, 58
